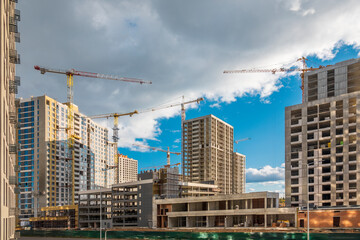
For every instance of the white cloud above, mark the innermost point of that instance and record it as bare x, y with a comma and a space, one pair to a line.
183, 47
310, 11
175, 131
271, 186
265, 174
177, 140
215, 105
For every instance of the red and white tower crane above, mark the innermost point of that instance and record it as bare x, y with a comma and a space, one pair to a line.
303, 70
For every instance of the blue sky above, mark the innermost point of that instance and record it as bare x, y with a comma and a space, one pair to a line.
251, 116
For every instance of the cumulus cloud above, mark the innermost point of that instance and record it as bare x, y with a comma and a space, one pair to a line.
181, 46
271, 186
266, 174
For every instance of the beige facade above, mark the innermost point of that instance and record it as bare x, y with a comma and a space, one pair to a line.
322, 134
238, 170
208, 155
9, 17
48, 175
127, 169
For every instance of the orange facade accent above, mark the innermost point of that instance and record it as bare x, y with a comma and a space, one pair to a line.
330, 218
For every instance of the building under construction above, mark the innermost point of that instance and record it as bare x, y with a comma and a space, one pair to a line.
131, 204
49, 175
64, 217
208, 154
322, 139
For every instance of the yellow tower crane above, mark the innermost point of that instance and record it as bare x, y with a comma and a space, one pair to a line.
168, 152
70, 116
116, 121
117, 115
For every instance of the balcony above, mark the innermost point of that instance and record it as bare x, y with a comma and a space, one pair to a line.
13, 180
296, 122
17, 15
13, 117
14, 211
14, 56
17, 37
13, 85
13, 27
13, 148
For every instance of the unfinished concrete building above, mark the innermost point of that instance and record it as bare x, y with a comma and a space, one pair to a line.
238, 172
322, 135
208, 154
260, 209
64, 217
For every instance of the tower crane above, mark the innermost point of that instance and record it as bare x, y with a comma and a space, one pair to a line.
242, 140
117, 115
70, 116
183, 115
168, 152
182, 104
303, 70
116, 121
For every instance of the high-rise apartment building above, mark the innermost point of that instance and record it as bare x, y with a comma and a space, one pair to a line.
127, 170
238, 171
48, 175
322, 139
9, 35
208, 154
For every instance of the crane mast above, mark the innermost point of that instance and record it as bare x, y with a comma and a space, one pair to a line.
70, 116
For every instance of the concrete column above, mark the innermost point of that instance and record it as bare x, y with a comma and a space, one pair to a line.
207, 221
265, 220
265, 203
187, 222
271, 202
246, 204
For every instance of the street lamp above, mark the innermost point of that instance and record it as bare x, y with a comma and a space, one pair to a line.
308, 196
100, 214
308, 199
106, 230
